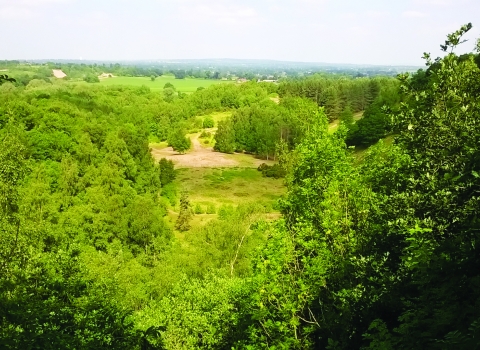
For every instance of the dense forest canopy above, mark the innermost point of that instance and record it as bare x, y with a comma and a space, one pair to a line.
377, 245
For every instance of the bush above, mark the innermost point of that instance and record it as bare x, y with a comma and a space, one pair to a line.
91, 79
208, 122
211, 209
198, 123
225, 212
179, 141
275, 171
205, 134
170, 192
198, 209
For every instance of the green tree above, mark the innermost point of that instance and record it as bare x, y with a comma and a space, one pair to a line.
91, 78
382, 255
346, 117
179, 141
185, 214
169, 94
167, 171
225, 137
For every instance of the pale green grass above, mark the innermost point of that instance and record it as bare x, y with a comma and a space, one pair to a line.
357, 116
228, 186
182, 85
335, 124
217, 116
158, 145
247, 160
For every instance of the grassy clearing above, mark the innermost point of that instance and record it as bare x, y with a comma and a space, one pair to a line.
357, 116
335, 124
213, 187
247, 160
183, 85
217, 116
158, 145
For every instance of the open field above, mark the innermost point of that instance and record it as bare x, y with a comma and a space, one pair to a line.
211, 190
217, 116
182, 85
203, 156
335, 124
229, 186
200, 156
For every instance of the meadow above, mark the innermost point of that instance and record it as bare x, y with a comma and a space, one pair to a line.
187, 85
212, 190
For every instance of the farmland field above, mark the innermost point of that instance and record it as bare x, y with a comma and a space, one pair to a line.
182, 85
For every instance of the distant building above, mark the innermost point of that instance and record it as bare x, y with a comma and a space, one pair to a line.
58, 73
242, 80
105, 75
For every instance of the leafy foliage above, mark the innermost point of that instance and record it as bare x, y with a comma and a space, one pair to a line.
381, 255
167, 171
208, 122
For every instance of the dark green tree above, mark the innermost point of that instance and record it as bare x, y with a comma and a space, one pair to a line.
5, 78
185, 214
167, 171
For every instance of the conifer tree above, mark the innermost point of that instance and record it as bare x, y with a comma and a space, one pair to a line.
185, 215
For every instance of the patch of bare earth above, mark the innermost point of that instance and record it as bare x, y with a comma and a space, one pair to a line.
275, 99
201, 157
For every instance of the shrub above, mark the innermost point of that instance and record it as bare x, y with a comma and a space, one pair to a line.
208, 122
211, 209
205, 134
275, 171
91, 79
198, 209
170, 192
225, 212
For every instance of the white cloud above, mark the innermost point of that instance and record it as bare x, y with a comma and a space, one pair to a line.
348, 16
414, 14
377, 14
31, 3
434, 2
224, 14
24, 9
15, 13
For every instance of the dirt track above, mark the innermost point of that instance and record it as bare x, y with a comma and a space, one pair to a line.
200, 156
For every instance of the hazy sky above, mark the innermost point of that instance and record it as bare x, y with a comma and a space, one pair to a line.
333, 31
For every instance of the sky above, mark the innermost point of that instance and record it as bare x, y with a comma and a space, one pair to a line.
381, 32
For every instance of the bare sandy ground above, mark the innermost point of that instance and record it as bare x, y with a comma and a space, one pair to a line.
200, 156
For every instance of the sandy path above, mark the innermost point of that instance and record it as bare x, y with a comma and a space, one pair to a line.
200, 156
